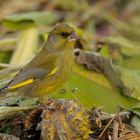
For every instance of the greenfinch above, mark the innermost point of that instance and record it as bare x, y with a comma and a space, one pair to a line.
50, 68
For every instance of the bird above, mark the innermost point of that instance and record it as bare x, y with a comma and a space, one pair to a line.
49, 69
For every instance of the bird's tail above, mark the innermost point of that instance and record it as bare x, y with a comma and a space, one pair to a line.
3, 89
4, 84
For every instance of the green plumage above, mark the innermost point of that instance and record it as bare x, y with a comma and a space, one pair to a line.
49, 69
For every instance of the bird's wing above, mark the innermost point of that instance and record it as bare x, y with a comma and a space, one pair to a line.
35, 69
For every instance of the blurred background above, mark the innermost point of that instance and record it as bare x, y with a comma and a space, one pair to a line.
114, 23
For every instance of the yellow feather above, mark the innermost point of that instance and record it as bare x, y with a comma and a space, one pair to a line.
22, 84
52, 72
31, 80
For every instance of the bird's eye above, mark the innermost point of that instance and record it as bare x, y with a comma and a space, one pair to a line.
63, 34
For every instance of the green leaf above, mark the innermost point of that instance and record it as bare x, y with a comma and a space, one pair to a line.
127, 82
131, 79
135, 121
25, 20
104, 51
135, 109
19, 100
89, 93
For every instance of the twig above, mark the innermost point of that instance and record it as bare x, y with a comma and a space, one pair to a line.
6, 111
115, 130
106, 126
124, 116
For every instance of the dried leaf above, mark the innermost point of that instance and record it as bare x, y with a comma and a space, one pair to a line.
65, 120
8, 137
127, 82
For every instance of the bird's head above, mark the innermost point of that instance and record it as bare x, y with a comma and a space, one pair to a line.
62, 37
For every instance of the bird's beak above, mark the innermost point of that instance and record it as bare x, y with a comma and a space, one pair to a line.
73, 37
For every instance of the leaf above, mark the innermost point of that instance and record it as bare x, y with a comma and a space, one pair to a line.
128, 30
27, 43
25, 20
104, 51
135, 109
5, 56
131, 80
127, 47
91, 91
5, 43
8, 137
127, 82
9, 111
64, 119
17, 101
135, 121
71, 5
